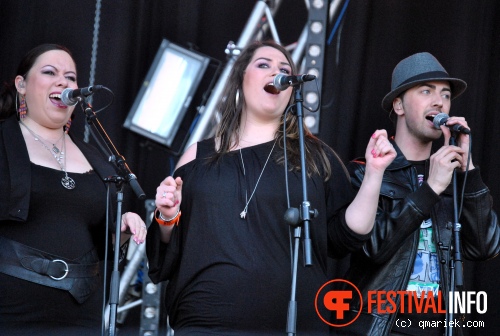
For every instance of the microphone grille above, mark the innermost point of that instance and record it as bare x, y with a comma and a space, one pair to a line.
439, 120
279, 82
66, 99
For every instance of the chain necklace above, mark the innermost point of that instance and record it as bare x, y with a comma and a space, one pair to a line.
58, 154
54, 149
243, 214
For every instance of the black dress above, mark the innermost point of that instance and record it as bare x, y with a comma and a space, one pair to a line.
232, 276
65, 223
37, 211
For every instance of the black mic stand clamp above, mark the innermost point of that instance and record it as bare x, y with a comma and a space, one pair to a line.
125, 176
299, 219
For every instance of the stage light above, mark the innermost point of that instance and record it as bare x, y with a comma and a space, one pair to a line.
316, 27
310, 121
314, 59
314, 50
151, 288
318, 4
150, 312
312, 98
166, 93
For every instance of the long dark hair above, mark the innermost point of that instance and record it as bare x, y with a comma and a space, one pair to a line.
229, 126
8, 91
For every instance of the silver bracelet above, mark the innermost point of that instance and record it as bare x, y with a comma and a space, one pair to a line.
171, 219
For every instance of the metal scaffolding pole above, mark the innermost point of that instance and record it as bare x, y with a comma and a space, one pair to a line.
206, 122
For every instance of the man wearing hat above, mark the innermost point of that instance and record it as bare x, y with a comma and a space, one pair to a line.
409, 249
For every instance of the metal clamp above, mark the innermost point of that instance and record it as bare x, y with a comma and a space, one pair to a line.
66, 271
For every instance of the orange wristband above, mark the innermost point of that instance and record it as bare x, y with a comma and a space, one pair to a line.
167, 222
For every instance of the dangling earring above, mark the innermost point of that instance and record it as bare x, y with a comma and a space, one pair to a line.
67, 126
237, 98
21, 111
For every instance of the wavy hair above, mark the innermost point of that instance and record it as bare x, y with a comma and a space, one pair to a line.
230, 112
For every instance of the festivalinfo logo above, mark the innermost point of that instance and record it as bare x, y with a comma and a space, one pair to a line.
338, 302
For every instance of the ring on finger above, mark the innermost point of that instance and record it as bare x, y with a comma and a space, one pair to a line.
164, 195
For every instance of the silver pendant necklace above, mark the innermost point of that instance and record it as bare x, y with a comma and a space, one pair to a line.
243, 214
58, 154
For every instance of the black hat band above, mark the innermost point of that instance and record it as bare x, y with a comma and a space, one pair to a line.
427, 75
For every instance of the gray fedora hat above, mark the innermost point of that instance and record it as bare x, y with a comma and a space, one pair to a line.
419, 68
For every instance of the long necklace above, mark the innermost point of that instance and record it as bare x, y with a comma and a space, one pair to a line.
58, 154
243, 214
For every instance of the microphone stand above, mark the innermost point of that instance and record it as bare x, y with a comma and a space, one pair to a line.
293, 216
124, 176
456, 271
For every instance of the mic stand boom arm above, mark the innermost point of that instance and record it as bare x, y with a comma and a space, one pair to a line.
125, 175
115, 156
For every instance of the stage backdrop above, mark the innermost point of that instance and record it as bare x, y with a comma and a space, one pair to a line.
372, 37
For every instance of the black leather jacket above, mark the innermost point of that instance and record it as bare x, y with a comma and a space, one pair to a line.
386, 260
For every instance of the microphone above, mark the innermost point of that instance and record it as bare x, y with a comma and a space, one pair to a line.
282, 82
71, 97
442, 118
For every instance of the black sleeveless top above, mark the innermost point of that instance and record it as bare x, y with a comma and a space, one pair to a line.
232, 276
67, 223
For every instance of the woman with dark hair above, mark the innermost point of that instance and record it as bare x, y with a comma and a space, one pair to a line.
52, 205
228, 256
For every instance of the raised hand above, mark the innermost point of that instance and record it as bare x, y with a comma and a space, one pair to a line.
169, 196
379, 152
